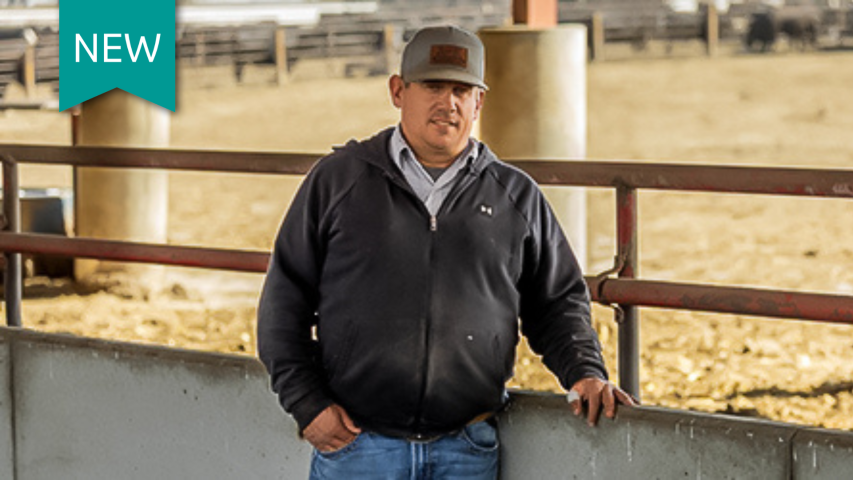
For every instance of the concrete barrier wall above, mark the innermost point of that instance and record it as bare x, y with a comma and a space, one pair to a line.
824, 455
74, 408
87, 409
6, 429
539, 435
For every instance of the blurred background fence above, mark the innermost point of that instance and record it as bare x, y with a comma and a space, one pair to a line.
367, 36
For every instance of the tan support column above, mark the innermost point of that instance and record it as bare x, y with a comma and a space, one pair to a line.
121, 204
536, 107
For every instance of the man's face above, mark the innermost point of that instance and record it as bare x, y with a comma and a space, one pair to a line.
436, 116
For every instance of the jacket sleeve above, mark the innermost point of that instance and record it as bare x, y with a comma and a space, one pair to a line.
287, 310
555, 310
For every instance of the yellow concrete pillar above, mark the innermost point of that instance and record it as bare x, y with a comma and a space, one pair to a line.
536, 107
121, 204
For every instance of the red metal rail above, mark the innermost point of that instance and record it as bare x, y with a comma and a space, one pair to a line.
200, 160
735, 300
663, 176
626, 291
683, 296
120, 251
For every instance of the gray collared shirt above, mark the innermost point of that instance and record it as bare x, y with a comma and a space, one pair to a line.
431, 192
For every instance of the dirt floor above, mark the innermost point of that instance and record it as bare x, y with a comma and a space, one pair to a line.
784, 109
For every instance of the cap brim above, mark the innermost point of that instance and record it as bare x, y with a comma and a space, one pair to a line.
447, 74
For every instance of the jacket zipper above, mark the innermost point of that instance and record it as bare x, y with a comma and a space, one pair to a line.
427, 324
460, 187
433, 227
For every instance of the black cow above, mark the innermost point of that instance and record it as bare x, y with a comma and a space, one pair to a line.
799, 24
763, 30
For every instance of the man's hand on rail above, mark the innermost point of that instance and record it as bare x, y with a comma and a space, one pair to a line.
331, 430
594, 392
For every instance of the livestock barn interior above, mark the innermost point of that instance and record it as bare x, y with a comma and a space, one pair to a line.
656, 94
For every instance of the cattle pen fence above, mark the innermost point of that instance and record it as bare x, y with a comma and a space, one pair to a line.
617, 287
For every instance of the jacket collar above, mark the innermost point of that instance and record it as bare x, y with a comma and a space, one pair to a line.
375, 151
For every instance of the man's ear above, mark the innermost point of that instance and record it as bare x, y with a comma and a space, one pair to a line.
481, 95
396, 87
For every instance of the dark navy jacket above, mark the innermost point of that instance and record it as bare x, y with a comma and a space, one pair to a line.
417, 316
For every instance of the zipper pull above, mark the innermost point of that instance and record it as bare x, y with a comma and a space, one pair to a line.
433, 223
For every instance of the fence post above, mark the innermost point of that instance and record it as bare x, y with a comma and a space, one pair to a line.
200, 48
389, 47
280, 55
712, 29
12, 212
596, 51
29, 63
629, 328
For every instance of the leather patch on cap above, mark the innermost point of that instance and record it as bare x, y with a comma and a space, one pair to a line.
448, 55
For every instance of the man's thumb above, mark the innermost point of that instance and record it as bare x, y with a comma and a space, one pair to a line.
348, 423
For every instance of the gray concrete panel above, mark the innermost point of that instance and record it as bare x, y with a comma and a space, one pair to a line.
7, 451
822, 455
542, 439
89, 409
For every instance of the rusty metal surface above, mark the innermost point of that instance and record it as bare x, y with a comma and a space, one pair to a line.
628, 316
200, 160
237, 260
745, 301
626, 177
724, 179
662, 176
735, 300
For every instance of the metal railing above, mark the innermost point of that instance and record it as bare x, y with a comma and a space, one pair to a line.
625, 293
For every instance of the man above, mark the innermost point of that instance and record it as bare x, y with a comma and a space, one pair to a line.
389, 317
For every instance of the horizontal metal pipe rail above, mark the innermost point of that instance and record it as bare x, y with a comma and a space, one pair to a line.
582, 173
682, 296
197, 160
121, 251
625, 292
796, 305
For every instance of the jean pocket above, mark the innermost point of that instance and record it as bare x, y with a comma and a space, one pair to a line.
481, 436
343, 451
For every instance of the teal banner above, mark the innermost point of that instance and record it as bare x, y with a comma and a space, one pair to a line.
105, 44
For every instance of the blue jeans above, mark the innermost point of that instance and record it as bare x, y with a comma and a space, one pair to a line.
471, 453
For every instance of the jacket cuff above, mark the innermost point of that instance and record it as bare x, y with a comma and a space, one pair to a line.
308, 407
581, 372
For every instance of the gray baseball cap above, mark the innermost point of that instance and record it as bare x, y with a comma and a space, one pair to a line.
444, 53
